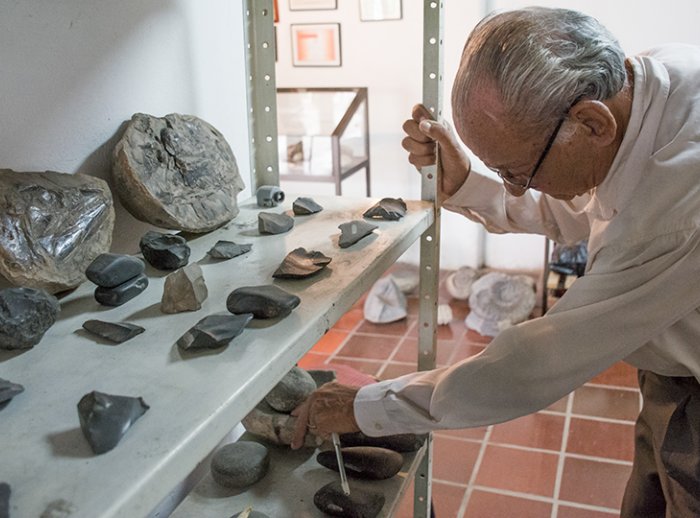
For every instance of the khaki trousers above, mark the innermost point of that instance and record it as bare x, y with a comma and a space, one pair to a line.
665, 479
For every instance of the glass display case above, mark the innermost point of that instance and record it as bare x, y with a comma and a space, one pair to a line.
323, 134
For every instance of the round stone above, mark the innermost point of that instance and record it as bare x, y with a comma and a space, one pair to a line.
291, 391
240, 464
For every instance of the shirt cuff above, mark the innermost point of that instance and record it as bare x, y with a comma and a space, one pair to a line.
370, 411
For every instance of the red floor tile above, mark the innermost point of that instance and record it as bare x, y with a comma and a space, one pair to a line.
594, 483
398, 328
408, 351
312, 360
518, 470
349, 320
330, 341
368, 346
464, 433
607, 402
620, 375
601, 439
453, 460
394, 370
484, 504
542, 431
368, 367
476, 338
565, 511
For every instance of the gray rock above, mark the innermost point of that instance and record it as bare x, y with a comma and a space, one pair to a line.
385, 302
300, 263
322, 376
365, 462
5, 500
240, 464
117, 332
250, 514
214, 331
184, 290
273, 223
104, 418
391, 209
266, 301
176, 172
164, 251
123, 293
109, 270
331, 500
352, 231
275, 427
228, 250
8, 390
305, 206
25, 315
291, 391
403, 442
59, 508
53, 226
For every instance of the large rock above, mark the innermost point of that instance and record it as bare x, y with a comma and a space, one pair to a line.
25, 315
291, 391
240, 464
275, 427
184, 290
331, 500
176, 172
53, 226
368, 462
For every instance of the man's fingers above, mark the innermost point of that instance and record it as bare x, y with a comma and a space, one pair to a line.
410, 127
302, 414
420, 112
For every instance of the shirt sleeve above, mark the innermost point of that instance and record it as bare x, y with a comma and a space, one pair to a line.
486, 201
605, 316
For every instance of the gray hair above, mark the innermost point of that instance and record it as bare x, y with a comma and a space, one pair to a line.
542, 60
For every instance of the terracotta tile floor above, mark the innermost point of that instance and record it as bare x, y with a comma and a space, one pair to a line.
570, 460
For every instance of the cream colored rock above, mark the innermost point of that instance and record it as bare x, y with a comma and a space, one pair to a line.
459, 283
385, 302
184, 290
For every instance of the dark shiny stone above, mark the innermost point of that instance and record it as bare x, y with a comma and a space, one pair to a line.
322, 376
299, 264
164, 251
391, 209
266, 301
304, 206
5, 500
404, 442
25, 315
228, 250
116, 332
291, 391
214, 331
331, 500
123, 293
366, 462
8, 390
105, 418
353, 231
109, 270
240, 464
273, 223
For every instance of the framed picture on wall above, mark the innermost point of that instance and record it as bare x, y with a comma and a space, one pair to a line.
379, 10
315, 44
312, 5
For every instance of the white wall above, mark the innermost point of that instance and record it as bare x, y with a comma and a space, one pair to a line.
73, 71
386, 57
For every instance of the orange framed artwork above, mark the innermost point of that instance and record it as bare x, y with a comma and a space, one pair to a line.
316, 44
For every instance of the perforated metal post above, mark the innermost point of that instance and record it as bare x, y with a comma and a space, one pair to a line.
262, 93
430, 240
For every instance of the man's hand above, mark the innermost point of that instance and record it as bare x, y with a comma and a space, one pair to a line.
328, 409
423, 133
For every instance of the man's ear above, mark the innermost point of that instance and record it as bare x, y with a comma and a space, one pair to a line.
597, 120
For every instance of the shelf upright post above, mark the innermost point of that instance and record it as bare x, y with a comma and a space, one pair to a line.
262, 93
430, 240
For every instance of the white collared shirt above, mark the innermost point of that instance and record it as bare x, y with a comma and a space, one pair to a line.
639, 299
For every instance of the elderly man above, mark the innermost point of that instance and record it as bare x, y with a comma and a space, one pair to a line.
611, 145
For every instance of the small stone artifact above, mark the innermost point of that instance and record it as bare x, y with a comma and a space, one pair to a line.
275, 427
5, 500
240, 464
123, 293
331, 500
110, 270
164, 251
184, 290
105, 418
391, 209
8, 390
305, 206
117, 332
299, 264
353, 231
403, 442
269, 196
291, 391
266, 301
25, 315
176, 172
53, 225
498, 301
368, 462
385, 302
459, 283
273, 223
228, 250
214, 331
250, 513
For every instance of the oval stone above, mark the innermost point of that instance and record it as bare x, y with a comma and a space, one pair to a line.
25, 315
291, 391
240, 464
164, 251
123, 293
331, 500
109, 270
266, 301
364, 462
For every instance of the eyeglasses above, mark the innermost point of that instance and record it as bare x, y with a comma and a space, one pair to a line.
518, 189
